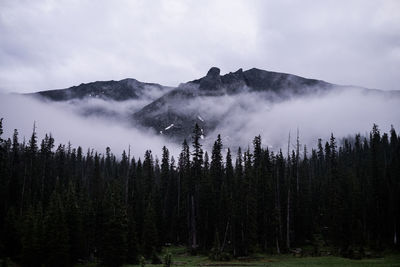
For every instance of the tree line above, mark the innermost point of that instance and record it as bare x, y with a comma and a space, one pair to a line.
60, 205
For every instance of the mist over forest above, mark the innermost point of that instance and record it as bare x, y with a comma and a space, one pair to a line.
98, 123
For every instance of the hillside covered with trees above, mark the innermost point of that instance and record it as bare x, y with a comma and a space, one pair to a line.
60, 205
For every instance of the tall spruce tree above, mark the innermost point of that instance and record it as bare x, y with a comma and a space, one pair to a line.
150, 235
114, 244
184, 183
197, 163
57, 236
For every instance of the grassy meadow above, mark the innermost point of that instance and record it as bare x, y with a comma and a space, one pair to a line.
181, 258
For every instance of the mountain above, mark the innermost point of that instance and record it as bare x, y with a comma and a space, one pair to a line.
257, 80
173, 111
109, 90
172, 114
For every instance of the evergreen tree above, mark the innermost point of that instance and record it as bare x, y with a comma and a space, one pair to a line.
75, 225
196, 169
164, 191
184, 183
56, 233
1, 130
115, 244
11, 235
150, 235
250, 205
33, 246
133, 241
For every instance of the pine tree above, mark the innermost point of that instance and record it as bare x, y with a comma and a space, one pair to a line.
217, 177
238, 209
114, 243
376, 213
227, 202
183, 184
216, 169
14, 184
1, 130
164, 191
207, 207
148, 173
394, 167
75, 225
57, 236
250, 205
150, 236
2, 149
32, 242
132, 239
11, 235
197, 162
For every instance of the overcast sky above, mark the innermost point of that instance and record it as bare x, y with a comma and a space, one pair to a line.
60, 43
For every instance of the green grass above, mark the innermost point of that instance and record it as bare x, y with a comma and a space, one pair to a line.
181, 258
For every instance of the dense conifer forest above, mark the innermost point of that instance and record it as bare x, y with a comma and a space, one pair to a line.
61, 205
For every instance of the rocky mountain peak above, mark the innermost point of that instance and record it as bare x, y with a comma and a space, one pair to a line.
212, 81
234, 81
213, 72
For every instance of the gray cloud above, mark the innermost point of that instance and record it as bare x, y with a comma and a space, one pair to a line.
55, 44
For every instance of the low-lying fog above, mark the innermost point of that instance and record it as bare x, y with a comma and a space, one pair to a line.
66, 122
341, 112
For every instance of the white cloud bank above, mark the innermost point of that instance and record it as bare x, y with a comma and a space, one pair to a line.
66, 125
342, 112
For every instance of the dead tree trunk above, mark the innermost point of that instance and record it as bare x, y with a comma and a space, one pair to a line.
288, 199
277, 245
278, 230
226, 233
23, 192
288, 219
297, 163
178, 206
193, 232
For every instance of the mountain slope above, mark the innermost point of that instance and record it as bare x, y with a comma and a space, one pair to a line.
175, 115
110, 90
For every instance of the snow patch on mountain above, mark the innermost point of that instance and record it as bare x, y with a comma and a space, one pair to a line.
169, 127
